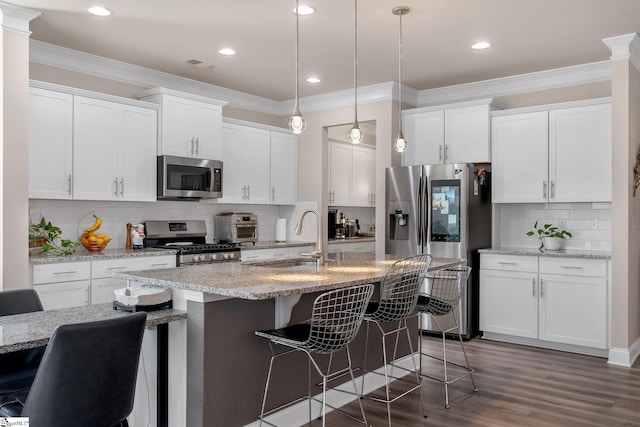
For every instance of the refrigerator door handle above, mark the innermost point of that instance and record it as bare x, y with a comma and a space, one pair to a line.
425, 212
419, 227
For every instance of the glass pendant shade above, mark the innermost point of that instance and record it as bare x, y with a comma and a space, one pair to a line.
400, 144
296, 122
355, 134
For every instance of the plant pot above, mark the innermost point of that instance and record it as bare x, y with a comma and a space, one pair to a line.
552, 243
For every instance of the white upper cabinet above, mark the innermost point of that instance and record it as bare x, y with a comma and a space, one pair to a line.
351, 175
554, 155
519, 166
580, 154
190, 125
246, 173
424, 133
50, 144
114, 151
284, 168
455, 133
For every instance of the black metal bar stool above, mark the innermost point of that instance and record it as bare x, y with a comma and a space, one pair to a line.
335, 320
398, 297
444, 290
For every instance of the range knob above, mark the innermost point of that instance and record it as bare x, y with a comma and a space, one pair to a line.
227, 255
197, 258
214, 257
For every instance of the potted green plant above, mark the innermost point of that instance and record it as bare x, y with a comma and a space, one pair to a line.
45, 235
549, 235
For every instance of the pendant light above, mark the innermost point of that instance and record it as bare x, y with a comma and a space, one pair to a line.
355, 134
400, 143
296, 121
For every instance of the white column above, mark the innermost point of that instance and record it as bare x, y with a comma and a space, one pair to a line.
14, 202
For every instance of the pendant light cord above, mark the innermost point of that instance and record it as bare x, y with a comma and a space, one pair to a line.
355, 60
297, 42
400, 78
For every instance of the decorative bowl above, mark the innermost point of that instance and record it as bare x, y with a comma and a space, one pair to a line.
94, 247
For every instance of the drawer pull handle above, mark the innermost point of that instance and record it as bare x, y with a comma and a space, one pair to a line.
65, 272
116, 268
572, 267
533, 287
159, 264
507, 263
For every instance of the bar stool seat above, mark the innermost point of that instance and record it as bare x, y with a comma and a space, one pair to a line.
444, 291
335, 321
398, 297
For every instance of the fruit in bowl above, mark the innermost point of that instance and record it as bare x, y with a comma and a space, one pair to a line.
94, 242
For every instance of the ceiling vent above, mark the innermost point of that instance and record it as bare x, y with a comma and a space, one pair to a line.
200, 65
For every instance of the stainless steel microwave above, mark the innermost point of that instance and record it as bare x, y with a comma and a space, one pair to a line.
185, 178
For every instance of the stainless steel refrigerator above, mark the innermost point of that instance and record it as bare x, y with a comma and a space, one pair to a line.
443, 210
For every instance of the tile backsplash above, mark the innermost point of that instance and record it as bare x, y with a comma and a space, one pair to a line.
589, 223
74, 216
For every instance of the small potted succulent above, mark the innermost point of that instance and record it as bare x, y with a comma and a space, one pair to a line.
45, 236
550, 236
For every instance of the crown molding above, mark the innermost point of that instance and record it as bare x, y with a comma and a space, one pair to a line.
522, 83
73, 60
16, 18
625, 47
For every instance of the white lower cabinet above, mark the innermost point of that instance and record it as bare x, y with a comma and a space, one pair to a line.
274, 253
62, 285
351, 247
73, 284
553, 300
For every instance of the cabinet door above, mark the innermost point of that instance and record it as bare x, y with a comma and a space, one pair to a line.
424, 133
339, 174
363, 159
137, 154
284, 168
178, 137
466, 134
232, 178
95, 136
509, 303
573, 310
580, 154
50, 144
102, 290
63, 294
519, 158
208, 132
257, 168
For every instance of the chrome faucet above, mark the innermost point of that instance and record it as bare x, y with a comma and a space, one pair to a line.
318, 254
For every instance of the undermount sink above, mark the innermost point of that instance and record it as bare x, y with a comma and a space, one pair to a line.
282, 263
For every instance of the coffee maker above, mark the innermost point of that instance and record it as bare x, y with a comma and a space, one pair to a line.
336, 224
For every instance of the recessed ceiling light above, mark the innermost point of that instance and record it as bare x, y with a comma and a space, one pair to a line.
304, 10
312, 80
99, 11
480, 45
227, 51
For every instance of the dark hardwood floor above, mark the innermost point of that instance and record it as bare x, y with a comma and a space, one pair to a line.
517, 386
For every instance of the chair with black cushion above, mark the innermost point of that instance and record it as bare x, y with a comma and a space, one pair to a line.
398, 297
444, 290
335, 320
87, 376
18, 369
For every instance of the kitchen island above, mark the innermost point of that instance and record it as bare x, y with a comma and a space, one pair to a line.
223, 364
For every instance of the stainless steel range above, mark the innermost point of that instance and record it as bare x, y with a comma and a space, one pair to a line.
189, 239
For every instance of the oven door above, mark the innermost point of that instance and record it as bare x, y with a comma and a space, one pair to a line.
245, 233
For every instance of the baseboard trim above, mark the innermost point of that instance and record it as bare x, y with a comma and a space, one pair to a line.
298, 414
624, 357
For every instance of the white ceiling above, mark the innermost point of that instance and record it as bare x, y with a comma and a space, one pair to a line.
526, 36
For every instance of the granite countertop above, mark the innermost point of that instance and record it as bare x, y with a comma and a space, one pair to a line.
84, 255
31, 330
352, 240
271, 244
565, 253
255, 281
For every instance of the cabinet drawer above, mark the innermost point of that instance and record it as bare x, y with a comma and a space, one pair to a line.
509, 262
106, 268
61, 272
574, 266
260, 254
